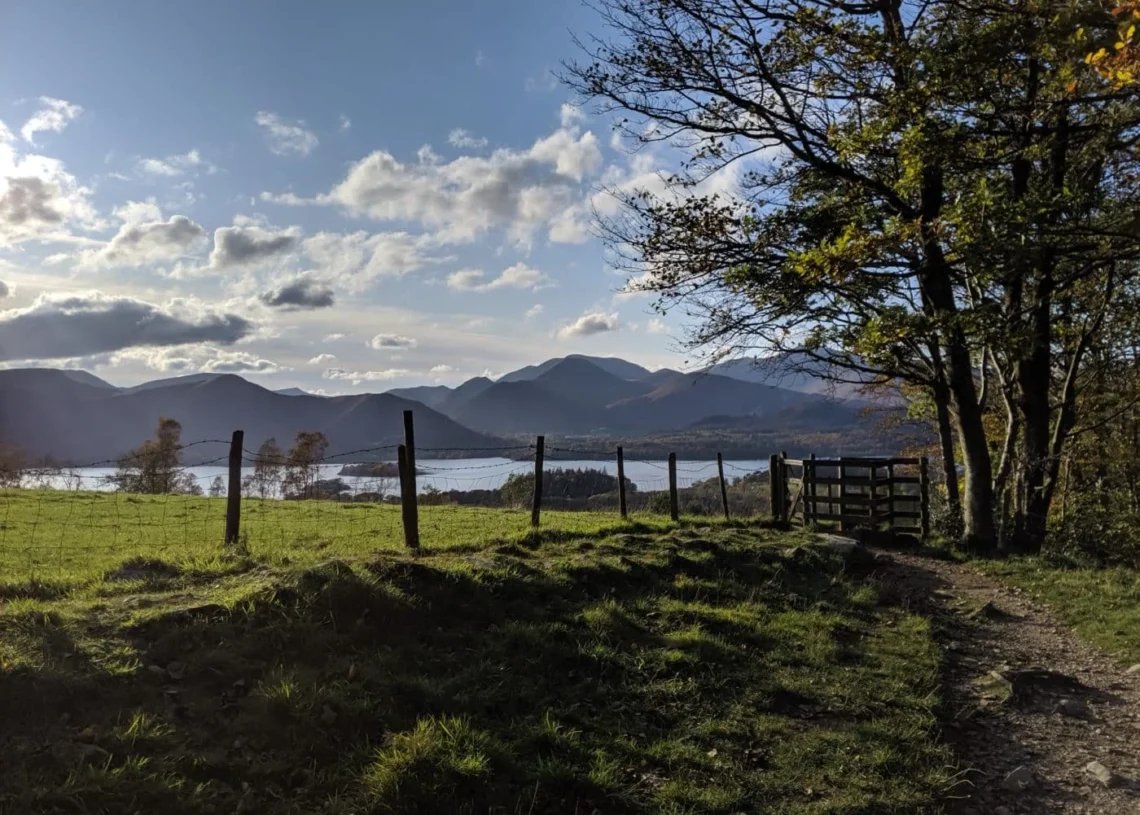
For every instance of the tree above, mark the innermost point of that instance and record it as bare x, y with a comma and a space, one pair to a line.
268, 466
217, 487
303, 462
154, 468
12, 464
907, 192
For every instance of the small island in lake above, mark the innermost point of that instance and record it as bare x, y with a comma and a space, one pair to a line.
377, 469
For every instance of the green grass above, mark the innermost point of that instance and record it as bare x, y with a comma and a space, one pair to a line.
692, 670
1102, 604
65, 538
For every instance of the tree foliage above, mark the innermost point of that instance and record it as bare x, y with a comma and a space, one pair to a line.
154, 468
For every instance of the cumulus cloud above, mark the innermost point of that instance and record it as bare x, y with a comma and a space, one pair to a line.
593, 322
356, 377
535, 311
4, 290
286, 138
570, 115
199, 358
383, 342
517, 190
248, 245
39, 199
137, 244
656, 326
519, 276
176, 165
462, 138
356, 260
138, 212
72, 325
53, 116
322, 359
442, 369
303, 293
333, 337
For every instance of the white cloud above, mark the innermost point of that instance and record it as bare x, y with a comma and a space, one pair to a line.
286, 138
322, 359
4, 290
637, 286
357, 259
519, 276
83, 323
535, 311
333, 337
425, 155
248, 245
356, 377
200, 358
53, 116
382, 342
459, 137
138, 212
570, 115
442, 369
345, 122
138, 244
176, 165
593, 322
40, 199
6, 134
517, 190
657, 326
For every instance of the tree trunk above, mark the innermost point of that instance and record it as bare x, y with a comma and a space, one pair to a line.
946, 442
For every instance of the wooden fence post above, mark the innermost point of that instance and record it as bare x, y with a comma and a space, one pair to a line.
891, 501
774, 485
809, 490
536, 504
673, 513
233, 492
842, 495
413, 498
924, 494
873, 488
723, 486
621, 483
408, 500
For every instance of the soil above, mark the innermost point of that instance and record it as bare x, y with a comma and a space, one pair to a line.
1027, 704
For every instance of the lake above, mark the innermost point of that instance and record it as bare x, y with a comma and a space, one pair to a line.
469, 474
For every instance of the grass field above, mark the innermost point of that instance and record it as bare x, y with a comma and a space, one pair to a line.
1103, 605
642, 669
62, 538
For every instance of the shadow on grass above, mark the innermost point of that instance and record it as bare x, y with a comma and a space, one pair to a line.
691, 672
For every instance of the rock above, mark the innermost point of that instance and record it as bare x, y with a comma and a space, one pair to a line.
1074, 709
177, 670
79, 755
1102, 774
328, 715
1018, 780
987, 611
1135, 669
88, 734
942, 594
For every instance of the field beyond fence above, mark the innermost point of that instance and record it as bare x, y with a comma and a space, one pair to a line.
62, 525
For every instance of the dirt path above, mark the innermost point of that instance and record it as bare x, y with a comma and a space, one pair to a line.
1052, 705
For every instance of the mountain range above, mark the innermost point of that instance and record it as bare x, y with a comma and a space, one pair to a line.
75, 417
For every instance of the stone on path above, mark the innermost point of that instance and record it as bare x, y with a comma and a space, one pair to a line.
1019, 779
1102, 773
1074, 709
1135, 669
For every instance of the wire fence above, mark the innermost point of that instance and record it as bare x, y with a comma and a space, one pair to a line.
148, 511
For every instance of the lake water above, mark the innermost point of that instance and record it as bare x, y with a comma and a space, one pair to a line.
466, 474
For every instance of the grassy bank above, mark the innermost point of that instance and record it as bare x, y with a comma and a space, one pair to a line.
699, 670
1103, 605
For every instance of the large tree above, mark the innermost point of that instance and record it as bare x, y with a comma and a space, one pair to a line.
899, 180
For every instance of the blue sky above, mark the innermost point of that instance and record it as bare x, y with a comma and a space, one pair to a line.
342, 196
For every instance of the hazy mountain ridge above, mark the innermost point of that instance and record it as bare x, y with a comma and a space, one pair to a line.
49, 414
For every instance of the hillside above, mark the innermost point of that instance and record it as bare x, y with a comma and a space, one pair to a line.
577, 395
48, 413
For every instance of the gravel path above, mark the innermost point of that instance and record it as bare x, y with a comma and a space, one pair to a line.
1028, 705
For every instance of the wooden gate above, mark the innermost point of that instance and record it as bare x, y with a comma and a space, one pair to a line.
885, 494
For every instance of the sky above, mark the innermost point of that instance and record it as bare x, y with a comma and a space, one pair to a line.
343, 197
